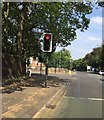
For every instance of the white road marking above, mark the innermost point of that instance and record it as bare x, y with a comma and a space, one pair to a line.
95, 99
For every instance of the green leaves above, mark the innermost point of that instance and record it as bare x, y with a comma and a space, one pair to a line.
60, 59
80, 64
94, 58
62, 19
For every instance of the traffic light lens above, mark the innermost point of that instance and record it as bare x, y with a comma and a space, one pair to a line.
47, 37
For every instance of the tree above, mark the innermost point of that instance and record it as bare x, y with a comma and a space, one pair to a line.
65, 58
62, 19
102, 57
80, 64
17, 41
100, 3
60, 59
94, 58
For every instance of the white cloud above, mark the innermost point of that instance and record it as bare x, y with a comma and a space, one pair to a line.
97, 20
94, 39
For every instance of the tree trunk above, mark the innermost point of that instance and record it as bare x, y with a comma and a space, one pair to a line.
5, 16
23, 16
20, 35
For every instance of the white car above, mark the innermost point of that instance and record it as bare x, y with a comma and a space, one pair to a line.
101, 72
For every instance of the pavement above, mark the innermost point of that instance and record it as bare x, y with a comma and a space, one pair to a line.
25, 98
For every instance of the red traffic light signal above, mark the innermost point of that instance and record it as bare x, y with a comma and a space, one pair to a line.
47, 36
47, 42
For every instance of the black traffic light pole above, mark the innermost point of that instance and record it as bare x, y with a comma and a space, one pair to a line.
46, 70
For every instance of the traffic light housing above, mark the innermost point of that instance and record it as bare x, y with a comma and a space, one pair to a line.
47, 42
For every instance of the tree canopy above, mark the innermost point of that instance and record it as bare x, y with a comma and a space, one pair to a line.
20, 20
60, 59
80, 64
94, 59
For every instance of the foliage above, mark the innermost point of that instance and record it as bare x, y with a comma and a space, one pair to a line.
62, 19
102, 56
94, 58
80, 64
60, 59
100, 3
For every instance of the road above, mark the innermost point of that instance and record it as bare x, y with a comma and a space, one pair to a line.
83, 98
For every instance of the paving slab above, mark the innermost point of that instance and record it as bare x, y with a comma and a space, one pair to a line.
26, 103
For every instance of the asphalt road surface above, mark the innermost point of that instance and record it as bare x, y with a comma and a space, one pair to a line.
83, 98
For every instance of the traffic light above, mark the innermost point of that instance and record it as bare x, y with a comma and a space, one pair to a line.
47, 42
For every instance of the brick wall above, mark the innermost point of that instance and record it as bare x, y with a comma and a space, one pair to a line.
35, 64
12, 66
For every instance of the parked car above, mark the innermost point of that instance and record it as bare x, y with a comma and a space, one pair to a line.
101, 72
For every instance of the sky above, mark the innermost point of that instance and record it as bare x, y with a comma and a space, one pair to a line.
89, 39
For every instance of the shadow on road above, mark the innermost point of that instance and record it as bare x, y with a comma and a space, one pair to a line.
102, 79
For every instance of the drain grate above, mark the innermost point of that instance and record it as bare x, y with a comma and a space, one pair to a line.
51, 106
